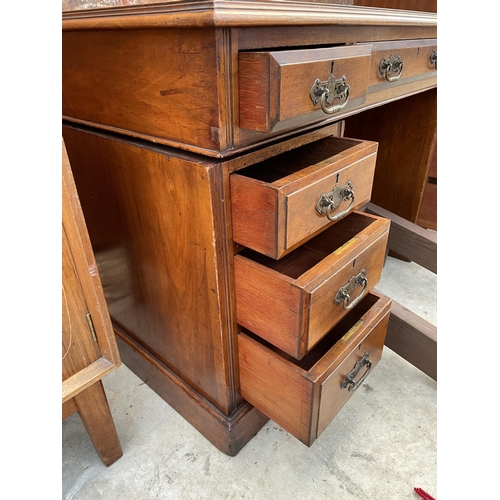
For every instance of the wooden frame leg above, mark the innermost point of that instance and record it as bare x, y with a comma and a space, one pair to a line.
413, 338
410, 336
93, 408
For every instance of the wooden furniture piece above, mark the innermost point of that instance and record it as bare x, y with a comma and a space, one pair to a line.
405, 181
89, 350
221, 196
422, 5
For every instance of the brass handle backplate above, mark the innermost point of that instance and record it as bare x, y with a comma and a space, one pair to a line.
344, 293
326, 92
328, 202
348, 382
391, 67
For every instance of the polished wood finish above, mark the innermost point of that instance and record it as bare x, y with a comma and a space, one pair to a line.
153, 110
154, 216
290, 302
163, 86
420, 5
241, 14
413, 338
304, 396
273, 203
427, 212
409, 240
274, 86
71, 5
228, 433
415, 56
150, 94
409, 335
87, 355
406, 133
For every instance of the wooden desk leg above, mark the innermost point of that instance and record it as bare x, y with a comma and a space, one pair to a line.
94, 411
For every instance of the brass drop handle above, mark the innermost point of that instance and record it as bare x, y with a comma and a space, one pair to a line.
344, 293
328, 202
391, 67
348, 382
434, 59
326, 92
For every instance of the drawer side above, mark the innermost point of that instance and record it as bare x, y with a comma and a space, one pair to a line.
267, 303
254, 214
275, 387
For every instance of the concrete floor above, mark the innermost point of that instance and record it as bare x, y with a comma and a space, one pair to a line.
381, 445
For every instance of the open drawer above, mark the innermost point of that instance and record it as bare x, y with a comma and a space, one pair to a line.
304, 396
281, 202
279, 89
293, 302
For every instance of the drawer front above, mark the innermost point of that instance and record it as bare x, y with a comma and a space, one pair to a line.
304, 396
407, 64
275, 86
293, 302
277, 205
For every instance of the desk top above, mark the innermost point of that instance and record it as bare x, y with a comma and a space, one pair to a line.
138, 14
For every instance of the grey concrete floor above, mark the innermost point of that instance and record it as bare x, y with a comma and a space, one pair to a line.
381, 445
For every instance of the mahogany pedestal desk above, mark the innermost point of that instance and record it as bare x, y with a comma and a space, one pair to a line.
225, 205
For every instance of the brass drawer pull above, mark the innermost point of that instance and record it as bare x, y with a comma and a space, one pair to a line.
344, 292
434, 59
326, 92
391, 67
328, 202
349, 379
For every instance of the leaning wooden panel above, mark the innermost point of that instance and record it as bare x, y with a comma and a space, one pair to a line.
303, 397
89, 346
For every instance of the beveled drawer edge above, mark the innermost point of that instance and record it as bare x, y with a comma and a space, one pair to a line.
353, 336
401, 44
311, 279
274, 146
340, 161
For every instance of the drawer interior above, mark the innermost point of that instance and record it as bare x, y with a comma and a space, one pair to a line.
293, 161
340, 330
314, 251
